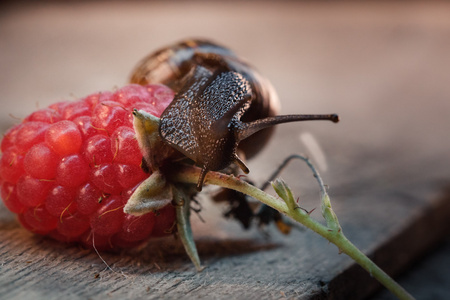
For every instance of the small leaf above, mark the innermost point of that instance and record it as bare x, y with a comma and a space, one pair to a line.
328, 213
285, 193
152, 194
183, 209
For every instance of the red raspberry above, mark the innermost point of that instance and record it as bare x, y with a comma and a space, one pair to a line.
68, 170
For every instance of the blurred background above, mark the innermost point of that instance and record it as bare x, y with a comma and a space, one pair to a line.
384, 66
320, 56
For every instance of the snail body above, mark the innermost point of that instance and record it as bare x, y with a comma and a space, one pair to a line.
220, 101
170, 65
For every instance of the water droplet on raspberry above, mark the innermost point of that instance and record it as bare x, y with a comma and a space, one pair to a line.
61, 201
64, 138
72, 171
109, 218
97, 150
41, 162
32, 191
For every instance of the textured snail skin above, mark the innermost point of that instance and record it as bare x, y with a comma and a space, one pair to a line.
170, 65
220, 101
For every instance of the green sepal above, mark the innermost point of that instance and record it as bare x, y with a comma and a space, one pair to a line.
183, 207
152, 194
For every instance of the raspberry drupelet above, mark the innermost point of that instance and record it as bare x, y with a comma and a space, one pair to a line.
68, 170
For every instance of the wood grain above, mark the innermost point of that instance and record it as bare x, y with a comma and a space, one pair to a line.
382, 66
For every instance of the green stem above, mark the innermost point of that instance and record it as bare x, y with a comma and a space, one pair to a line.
331, 233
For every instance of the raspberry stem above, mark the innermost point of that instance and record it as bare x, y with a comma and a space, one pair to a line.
286, 205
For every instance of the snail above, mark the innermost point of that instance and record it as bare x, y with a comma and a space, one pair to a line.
223, 107
223, 112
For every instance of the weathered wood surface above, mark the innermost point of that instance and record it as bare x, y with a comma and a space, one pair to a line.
383, 67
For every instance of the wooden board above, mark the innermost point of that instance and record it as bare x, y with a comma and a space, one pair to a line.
383, 67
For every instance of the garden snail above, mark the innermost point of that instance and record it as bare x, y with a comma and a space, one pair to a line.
220, 101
